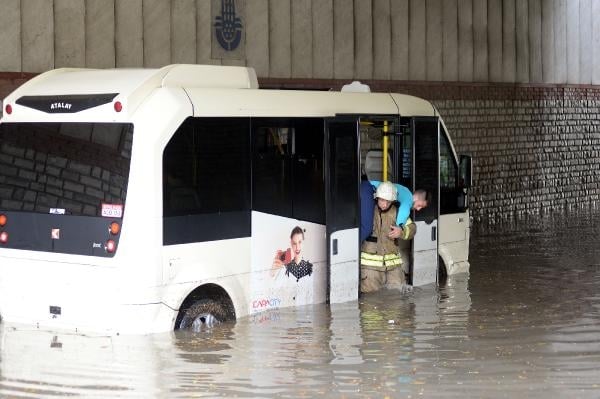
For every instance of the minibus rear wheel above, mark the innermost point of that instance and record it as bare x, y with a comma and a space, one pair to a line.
203, 315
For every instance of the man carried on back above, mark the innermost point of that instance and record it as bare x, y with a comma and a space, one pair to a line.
381, 257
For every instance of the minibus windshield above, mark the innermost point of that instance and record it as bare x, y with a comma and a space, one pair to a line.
64, 168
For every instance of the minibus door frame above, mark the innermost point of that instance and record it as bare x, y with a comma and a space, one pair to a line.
342, 207
425, 156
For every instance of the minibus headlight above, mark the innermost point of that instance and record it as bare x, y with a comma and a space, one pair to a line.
3, 237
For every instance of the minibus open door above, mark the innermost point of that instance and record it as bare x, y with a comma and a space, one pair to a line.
425, 169
342, 208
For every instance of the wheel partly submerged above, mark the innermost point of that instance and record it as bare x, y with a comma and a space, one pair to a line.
204, 315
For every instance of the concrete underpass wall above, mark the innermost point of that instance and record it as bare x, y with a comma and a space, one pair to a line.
522, 41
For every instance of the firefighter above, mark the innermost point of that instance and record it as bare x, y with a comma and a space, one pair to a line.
380, 258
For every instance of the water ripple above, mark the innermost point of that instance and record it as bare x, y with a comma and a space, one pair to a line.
524, 323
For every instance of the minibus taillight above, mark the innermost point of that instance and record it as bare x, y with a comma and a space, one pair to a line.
3, 220
114, 228
118, 106
8, 109
3, 237
111, 246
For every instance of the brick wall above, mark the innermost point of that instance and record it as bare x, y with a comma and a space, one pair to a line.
10, 81
535, 149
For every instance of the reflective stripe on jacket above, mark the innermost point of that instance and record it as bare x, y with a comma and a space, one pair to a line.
409, 230
380, 261
383, 253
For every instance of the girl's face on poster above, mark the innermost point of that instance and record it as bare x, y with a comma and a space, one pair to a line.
296, 243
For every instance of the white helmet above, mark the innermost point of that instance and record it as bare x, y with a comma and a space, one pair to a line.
386, 191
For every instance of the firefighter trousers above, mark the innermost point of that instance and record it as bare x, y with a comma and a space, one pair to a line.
373, 280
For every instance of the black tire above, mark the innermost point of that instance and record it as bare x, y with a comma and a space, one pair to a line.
442, 272
203, 315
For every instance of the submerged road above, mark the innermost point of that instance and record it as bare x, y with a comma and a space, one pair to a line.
525, 323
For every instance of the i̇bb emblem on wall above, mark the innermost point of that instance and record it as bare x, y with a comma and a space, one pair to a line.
228, 29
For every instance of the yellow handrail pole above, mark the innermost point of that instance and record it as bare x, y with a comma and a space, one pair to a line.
385, 150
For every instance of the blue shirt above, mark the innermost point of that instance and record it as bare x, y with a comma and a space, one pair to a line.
367, 206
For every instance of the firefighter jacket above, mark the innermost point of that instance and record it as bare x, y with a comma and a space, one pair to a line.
378, 251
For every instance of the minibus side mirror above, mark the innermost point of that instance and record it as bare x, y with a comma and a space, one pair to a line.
465, 172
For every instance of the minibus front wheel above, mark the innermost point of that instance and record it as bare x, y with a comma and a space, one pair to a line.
203, 315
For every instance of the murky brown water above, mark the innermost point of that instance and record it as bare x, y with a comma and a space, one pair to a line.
525, 323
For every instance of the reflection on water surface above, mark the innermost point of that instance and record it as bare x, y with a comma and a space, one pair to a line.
525, 323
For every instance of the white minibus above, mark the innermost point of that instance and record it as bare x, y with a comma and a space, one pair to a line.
146, 200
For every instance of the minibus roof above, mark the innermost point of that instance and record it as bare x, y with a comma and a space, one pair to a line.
213, 91
294, 103
71, 81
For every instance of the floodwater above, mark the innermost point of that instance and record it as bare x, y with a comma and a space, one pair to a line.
524, 324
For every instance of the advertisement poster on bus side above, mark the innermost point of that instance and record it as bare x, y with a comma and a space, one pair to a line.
288, 262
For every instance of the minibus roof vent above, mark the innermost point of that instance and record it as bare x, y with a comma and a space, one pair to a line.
210, 76
356, 87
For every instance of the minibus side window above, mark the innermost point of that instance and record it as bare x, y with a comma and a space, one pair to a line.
206, 181
271, 169
287, 168
308, 194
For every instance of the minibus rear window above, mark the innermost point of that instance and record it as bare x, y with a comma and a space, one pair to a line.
64, 168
